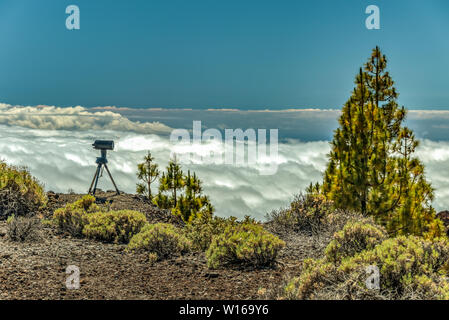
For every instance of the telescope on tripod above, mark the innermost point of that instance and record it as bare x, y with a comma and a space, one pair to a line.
103, 146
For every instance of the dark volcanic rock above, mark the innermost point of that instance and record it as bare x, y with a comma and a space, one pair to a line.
37, 270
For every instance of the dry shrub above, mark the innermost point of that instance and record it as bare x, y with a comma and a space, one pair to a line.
23, 229
306, 213
311, 214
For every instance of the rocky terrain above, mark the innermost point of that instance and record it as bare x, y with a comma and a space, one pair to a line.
37, 270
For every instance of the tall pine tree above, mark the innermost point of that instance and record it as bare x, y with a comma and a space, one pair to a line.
371, 166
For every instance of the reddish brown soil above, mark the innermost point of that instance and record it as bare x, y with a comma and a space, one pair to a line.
36, 270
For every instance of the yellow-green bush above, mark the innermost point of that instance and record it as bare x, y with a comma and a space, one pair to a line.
202, 229
401, 259
424, 286
410, 267
20, 193
85, 218
355, 237
161, 240
73, 217
315, 275
245, 243
114, 226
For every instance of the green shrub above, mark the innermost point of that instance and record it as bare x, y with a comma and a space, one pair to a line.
202, 229
87, 203
73, 217
245, 243
152, 258
20, 193
410, 268
436, 288
401, 259
315, 275
354, 238
85, 218
114, 226
161, 240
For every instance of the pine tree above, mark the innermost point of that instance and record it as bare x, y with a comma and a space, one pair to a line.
371, 166
187, 200
193, 203
148, 172
172, 180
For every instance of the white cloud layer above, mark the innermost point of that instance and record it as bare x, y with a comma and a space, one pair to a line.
55, 143
64, 159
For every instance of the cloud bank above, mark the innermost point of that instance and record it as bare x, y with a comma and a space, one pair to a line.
55, 143
301, 124
64, 159
74, 118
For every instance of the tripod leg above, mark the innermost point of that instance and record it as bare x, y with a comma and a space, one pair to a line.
110, 176
98, 176
93, 180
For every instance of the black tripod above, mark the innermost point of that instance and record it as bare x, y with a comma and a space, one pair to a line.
101, 161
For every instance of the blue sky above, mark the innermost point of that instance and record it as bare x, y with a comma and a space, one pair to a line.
198, 53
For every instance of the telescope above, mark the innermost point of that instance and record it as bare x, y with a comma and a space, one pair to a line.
103, 146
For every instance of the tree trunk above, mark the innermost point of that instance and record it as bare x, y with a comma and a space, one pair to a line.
364, 206
174, 195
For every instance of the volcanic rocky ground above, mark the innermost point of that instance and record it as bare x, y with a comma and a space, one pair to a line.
36, 270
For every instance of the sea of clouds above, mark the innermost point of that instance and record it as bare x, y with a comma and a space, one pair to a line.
55, 144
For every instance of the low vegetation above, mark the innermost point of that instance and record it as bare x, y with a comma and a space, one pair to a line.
23, 229
409, 268
246, 243
305, 213
202, 230
312, 215
20, 193
84, 218
354, 238
161, 241
73, 217
114, 226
